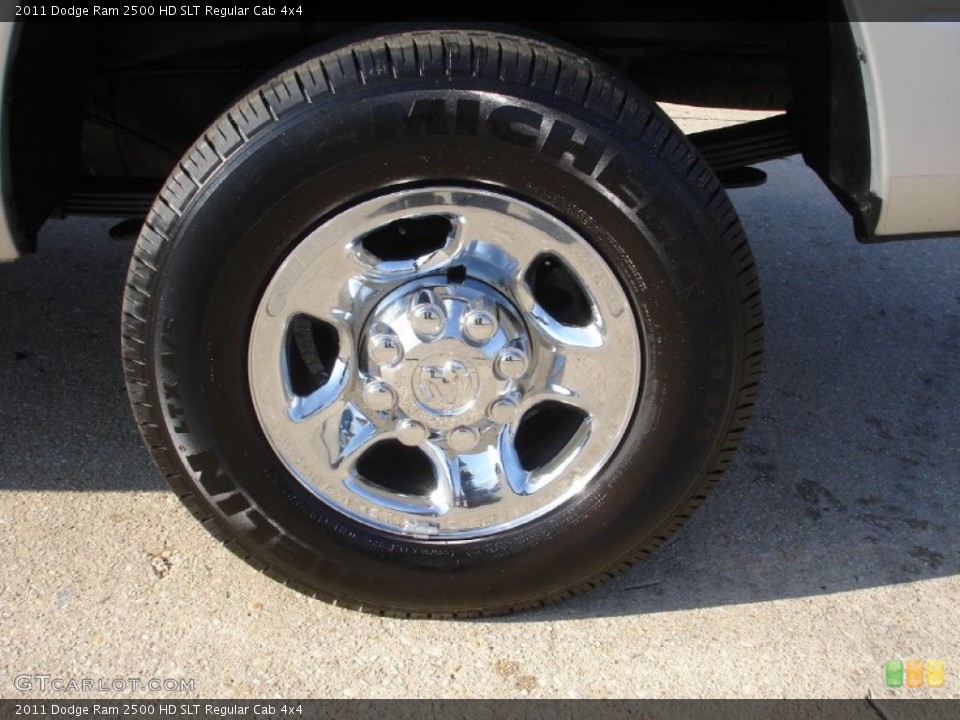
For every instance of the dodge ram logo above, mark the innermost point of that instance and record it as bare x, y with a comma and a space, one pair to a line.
445, 385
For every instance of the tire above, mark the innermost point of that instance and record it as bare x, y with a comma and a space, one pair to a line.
513, 301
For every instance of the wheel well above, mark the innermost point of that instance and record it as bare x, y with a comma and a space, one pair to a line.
99, 118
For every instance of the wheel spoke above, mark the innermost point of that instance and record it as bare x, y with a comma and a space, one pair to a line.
500, 245
485, 477
447, 471
337, 434
579, 376
449, 254
346, 437
497, 236
582, 371
304, 283
518, 479
486, 486
303, 408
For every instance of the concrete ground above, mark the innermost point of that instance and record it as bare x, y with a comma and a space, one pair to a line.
831, 546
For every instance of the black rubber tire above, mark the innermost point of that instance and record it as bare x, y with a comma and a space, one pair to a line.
337, 129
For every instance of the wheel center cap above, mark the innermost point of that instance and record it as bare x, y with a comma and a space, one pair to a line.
446, 384
448, 361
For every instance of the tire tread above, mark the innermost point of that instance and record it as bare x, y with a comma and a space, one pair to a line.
430, 54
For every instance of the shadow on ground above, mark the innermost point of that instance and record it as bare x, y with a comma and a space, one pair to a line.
847, 478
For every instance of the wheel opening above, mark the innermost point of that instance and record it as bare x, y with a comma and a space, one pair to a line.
408, 238
544, 431
393, 466
559, 292
312, 349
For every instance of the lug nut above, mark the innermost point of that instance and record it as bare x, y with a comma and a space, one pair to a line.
426, 315
379, 396
502, 411
384, 348
462, 439
411, 433
511, 363
479, 324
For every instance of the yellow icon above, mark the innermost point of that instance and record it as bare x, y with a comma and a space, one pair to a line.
935, 673
914, 673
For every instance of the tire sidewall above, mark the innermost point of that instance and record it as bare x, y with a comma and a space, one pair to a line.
247, 218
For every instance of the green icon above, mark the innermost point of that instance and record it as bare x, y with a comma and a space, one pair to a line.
894, 673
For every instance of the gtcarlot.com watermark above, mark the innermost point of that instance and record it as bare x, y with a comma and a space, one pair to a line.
54, 683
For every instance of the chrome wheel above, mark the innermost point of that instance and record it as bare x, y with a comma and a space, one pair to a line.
442, 400
444, 363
